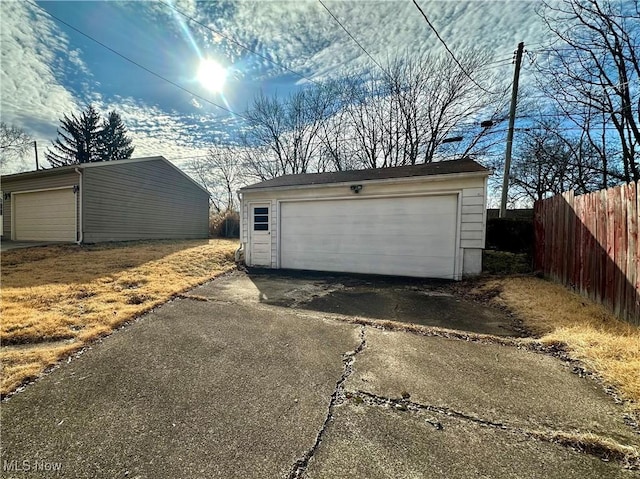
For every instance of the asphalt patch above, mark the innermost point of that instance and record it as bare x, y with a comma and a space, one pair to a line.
418, 307
408, 300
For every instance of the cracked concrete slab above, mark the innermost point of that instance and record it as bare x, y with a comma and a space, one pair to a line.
496, 383
194, 389
256, 383
377, 443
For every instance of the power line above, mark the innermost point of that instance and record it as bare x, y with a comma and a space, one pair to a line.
562, 49
449, 50
353, 38
499, 62
139, 65
235, 42
492, 66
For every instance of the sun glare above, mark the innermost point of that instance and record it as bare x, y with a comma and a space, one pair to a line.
212, 75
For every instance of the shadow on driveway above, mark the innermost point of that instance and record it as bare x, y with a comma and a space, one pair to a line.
409, 300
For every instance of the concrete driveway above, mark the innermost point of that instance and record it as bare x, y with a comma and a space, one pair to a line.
7, 245
276, 376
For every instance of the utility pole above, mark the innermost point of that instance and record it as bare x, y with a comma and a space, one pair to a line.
35, 148
512, 119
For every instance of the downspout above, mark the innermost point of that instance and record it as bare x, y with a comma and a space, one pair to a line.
80, 192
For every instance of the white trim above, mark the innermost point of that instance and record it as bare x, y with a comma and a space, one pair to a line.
379, 195
95, 164
13, 206
458, 193
279, 232
459, 257
13, 219
484, 214
79, 231
375, 181
39, 190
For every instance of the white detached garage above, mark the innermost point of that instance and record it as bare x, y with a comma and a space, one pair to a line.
422, 220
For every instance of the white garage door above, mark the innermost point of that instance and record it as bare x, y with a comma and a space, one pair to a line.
410, 236
45, 215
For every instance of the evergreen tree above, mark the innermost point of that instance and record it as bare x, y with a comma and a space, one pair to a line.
114, 142
77, 140
85, 139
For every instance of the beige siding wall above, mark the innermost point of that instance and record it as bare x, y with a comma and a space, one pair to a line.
471, 190
69, 178
142, 200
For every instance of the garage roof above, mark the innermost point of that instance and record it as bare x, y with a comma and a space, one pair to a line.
464, 165
65, 169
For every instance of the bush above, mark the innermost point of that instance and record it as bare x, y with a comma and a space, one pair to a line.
224, 225
514, 236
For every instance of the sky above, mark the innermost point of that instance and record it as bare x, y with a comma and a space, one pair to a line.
50, 66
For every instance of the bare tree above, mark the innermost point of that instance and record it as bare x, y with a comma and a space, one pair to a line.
226, 171
336, 152
288, 131
400, 117
371, 136
404, 116
435, 97
548, 162
14, 144
593, 74
221, 173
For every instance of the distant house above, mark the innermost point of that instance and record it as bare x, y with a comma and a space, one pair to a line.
423, 220
141, 198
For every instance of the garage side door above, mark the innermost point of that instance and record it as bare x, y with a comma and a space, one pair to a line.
412, 236
45, 215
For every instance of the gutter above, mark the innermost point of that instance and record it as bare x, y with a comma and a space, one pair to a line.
80, 191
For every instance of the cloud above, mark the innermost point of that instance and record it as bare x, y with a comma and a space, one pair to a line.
304, 37
43, 76
32, 92
37, 62
170, 134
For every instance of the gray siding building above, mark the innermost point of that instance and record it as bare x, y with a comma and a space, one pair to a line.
141, 198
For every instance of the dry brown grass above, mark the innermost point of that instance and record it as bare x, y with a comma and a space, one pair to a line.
607, 346
57, 298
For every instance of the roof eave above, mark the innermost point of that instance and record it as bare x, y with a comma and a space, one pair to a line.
402, 179
36, 173
82, 166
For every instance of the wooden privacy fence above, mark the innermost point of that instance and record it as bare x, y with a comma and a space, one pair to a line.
590, 243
